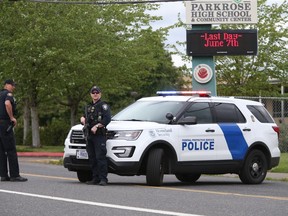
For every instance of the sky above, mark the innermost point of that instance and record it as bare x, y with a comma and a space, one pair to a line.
169, 11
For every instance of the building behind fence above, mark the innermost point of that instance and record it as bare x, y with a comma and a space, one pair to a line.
278, 108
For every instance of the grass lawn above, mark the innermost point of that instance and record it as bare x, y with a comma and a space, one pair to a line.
21, 148
283, 165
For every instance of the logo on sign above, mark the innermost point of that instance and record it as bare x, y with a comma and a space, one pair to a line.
202, 73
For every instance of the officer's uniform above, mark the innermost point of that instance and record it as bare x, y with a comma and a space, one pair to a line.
96, 113
7, 138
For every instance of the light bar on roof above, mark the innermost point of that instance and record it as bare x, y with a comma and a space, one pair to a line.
186, 93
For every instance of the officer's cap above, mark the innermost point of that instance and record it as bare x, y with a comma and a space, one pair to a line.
95, 89
10, 81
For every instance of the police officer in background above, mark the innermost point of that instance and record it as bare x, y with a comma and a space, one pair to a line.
96, 117
7, 137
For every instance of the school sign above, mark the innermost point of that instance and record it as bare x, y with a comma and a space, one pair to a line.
221, 12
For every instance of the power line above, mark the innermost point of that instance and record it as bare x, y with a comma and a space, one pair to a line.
106, 2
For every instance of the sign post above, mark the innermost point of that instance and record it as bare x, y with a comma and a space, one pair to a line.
203, 70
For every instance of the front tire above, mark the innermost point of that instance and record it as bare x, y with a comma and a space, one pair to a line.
84, 176
189, 178
254, 169
155, 167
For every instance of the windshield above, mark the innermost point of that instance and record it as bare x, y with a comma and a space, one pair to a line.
154, 111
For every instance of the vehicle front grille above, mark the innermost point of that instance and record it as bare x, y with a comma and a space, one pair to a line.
77, 147
77, 136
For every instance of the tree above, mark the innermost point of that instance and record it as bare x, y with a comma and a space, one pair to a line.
250, 75
56, 52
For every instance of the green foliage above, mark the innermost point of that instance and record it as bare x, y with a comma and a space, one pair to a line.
27, 148
19, 136
283, 138
248, 75
55, 133
52, 134
283, 165
56, 52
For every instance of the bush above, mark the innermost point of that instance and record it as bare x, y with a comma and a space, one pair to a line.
53, 134
283, 138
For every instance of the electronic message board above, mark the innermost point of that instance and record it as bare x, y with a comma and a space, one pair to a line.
222, 42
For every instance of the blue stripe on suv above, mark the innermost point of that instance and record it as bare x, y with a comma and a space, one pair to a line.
235, 140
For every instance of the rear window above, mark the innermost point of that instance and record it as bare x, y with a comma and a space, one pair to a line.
261, 114
228, 113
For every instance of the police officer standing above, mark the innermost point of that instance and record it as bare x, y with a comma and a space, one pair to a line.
96, 117
7, 137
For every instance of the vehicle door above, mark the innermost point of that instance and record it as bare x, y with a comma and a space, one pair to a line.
200, 141
233, 126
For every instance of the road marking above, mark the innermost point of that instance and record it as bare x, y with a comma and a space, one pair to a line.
220, 193
122, 207
51, 177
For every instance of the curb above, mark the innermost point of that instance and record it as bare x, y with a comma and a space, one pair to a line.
40, 154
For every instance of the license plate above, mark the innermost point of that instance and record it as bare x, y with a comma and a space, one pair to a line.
81, 154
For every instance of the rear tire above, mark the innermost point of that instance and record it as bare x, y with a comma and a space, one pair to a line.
254, 169
84, 175
155, 167
188, 177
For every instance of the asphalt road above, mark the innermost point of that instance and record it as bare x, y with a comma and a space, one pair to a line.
52, 190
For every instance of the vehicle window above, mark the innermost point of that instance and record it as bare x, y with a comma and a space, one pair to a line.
201, 111
154, 111
260, 113
228, 113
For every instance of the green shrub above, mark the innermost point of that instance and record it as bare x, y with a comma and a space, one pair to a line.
53, 134
283, 138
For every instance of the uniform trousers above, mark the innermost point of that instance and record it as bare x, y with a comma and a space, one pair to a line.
96, 149
8, 151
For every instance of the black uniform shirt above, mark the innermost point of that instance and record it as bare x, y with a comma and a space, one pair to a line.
98, 112
6, 95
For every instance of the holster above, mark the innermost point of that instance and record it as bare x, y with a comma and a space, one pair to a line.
86, 130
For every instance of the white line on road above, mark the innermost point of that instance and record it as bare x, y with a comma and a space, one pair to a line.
154, 211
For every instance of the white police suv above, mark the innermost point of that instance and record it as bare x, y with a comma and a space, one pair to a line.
186, 134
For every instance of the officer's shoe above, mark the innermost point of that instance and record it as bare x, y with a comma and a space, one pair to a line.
103, 183
93, 182
5, 178
18, 179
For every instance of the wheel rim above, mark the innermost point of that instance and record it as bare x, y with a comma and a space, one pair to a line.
256, 168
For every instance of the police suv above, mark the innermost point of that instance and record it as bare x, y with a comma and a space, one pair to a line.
186, 134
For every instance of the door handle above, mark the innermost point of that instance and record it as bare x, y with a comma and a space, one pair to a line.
210, 130
246, 129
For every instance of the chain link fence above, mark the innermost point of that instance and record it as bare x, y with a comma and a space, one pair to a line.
278, 108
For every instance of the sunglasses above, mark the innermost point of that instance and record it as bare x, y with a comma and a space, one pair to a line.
95, 92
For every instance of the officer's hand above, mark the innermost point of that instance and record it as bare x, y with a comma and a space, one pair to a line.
94, 129
14, 121
82, 120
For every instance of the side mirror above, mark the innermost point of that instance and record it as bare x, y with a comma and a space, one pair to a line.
189, 120
169, 116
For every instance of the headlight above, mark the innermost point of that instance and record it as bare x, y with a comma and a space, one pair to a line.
128, 135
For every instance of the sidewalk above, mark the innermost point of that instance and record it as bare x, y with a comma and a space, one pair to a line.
270, 175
